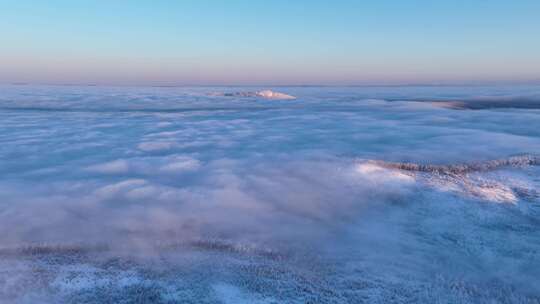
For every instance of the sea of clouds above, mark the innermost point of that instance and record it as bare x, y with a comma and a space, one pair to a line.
185, 195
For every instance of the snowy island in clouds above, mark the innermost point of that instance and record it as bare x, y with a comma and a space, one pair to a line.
344, 195
266, 94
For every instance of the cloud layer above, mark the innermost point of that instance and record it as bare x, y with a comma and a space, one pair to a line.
170, 194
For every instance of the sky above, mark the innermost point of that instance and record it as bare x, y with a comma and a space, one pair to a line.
256, 42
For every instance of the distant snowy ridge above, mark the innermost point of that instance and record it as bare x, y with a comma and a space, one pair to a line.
266, 94
485, 102
462, 179
514, 161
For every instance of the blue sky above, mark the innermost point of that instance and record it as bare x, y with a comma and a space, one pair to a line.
269, 42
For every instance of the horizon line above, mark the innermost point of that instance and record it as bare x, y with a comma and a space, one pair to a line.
456, 84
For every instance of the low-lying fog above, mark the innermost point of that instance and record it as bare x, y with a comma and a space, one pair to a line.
220, 195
